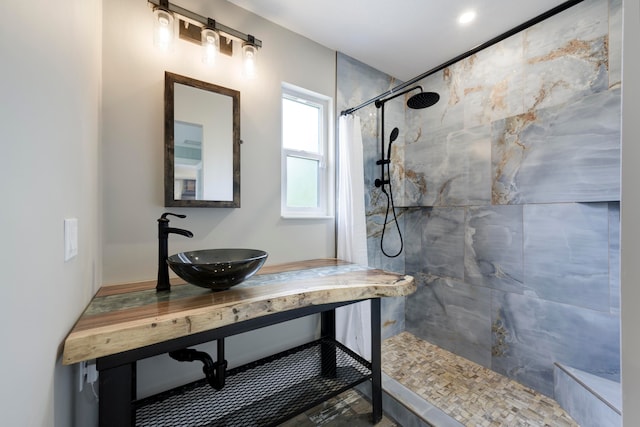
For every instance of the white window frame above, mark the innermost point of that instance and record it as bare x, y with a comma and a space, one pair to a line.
326, 179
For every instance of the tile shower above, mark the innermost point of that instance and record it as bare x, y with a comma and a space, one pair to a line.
510, 190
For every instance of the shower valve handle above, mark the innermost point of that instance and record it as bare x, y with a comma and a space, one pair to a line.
380, 182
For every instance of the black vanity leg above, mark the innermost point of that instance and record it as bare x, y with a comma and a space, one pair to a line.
376, 360
117, 392
328, 351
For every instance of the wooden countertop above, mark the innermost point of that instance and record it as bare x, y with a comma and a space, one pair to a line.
129, 316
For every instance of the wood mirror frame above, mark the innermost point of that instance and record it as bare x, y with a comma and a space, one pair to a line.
232, 176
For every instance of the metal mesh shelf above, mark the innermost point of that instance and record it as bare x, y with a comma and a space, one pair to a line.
262, 393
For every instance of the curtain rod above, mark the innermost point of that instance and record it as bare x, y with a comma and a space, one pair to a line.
551, 12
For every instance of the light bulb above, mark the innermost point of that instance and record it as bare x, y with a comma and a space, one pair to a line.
249, 53
210, 46
467, 17
163, 29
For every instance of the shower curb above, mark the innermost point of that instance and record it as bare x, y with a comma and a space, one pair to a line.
591, 400
406, 407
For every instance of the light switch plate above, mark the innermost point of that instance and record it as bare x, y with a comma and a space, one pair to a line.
70, 238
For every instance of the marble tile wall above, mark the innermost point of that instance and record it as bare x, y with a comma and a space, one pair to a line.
518, 287
538, 115
510, 187
568, 152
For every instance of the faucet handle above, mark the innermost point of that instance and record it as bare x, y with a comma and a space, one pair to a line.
164, 218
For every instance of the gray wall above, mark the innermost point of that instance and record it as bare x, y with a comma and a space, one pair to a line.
511, 187
133, 139
50, 81
630, 212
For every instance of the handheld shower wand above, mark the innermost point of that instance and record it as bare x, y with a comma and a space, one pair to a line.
379, 182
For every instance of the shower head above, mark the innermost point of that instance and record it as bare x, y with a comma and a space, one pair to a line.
422, 100
416, 102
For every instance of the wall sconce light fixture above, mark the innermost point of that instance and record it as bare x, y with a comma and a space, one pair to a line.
210, 39
249, 53
163, 34
214, 37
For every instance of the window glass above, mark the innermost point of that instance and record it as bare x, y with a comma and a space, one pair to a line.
302, 182
300, 129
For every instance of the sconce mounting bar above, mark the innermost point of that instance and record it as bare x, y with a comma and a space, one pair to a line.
205, 22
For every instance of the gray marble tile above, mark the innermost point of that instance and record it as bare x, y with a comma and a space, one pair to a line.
393, 239
468, 178
378, 260
493, 247
452, 315
581, 403
531, 334
585, 21
426, 165
615, 42
357, 83
415, 219
566, 253
449, 168
392, 311
443, 242
448, 112
566, 55
556, 80
606, 390
559, 154
614, 256
493, 82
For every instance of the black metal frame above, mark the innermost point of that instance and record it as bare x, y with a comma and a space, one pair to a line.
260, 393
117, 380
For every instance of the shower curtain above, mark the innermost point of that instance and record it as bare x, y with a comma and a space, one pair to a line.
353, 321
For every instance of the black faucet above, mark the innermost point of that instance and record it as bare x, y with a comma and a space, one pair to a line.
163, 239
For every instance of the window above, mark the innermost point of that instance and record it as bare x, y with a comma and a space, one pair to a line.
307, 154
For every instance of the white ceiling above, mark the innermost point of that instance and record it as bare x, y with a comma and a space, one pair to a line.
403, 38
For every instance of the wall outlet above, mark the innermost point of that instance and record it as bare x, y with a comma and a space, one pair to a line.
82, 374
88, 373
70, 238
92, 373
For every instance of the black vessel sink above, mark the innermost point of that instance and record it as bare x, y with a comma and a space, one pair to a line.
217, 269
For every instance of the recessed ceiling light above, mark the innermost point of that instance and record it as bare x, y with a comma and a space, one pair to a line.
467, 17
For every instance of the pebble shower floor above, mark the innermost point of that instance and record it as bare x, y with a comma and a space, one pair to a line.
465, 391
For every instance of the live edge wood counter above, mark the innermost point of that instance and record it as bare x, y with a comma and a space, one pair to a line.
125, 317
124, 323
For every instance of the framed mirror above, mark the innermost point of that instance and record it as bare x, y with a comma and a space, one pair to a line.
202, 143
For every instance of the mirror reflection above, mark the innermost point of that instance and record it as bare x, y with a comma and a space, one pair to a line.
202, 155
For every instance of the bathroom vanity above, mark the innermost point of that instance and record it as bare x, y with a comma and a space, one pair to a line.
129, 322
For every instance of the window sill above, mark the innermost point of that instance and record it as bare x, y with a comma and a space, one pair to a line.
302, 216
